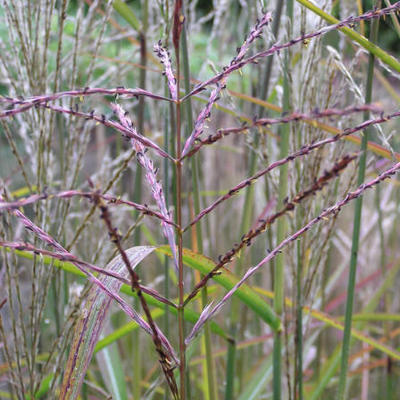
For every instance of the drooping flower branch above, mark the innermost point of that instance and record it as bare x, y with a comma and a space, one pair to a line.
263, 224
166, 362
25, 104
127, 131
294, 117
301, 39
325, 214
83, 267
151, 176
165, 59
112, 200
63, 256
254, 34
69, 257
304, 150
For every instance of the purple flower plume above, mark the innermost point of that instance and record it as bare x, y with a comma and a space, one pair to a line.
209, 313
151, 176
204, 114
83, 267
165, 59
276, 48
214, 97
253, 35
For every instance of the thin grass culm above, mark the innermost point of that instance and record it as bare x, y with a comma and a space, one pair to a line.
182, 186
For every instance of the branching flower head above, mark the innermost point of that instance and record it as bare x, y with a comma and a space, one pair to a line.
215, 94
151, 176
165, 59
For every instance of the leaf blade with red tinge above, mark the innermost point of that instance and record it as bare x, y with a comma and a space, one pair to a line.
90, 324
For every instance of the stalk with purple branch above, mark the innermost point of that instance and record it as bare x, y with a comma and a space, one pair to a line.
263, 224
14, 107
150, 173
294, 117
301, 39
214, 97
167, 364
333, 210
305, 149
34, 101
112, 200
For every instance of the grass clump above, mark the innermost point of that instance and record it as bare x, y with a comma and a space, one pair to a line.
207, 207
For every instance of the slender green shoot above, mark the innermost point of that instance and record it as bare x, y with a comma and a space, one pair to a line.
356, 230
279, 281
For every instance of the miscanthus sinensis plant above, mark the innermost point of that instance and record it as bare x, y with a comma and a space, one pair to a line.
181, 200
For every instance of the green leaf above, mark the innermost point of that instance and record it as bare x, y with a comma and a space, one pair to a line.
189, 315
91, 321
122, 331
228, 281
43, 388
110, 366
127, 14
363, 41
259, 381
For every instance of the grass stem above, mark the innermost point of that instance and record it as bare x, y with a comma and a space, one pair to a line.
279, 282
356, 230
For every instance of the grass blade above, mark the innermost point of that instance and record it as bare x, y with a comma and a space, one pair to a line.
91, 323
364, 42
110, 366
127, 14
228, 280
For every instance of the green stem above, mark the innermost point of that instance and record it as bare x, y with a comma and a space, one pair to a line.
395, 21
247, 217
166, 167
364, 42
386, 297
123, 9
180, 255
332, 364
137, 195
356, 230
268, 68
281, 228
299, 327
230, 367
181, 293
210, 378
